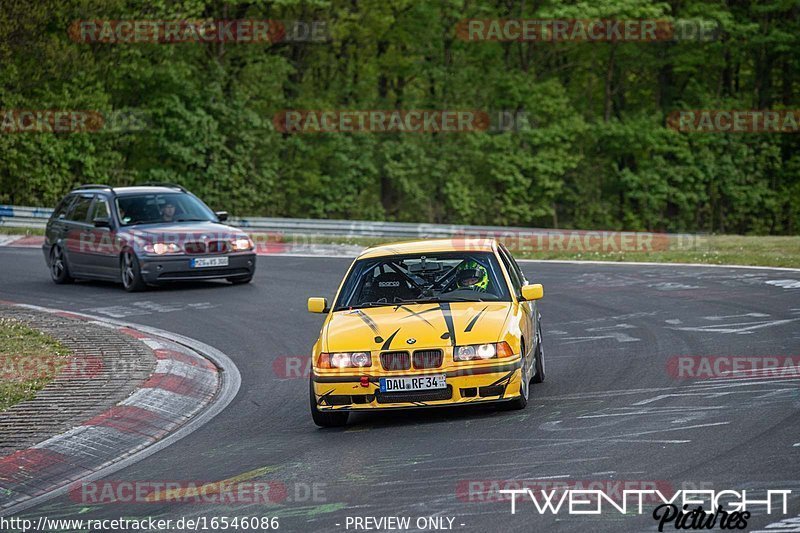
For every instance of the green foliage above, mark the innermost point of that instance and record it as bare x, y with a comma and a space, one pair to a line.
594, 151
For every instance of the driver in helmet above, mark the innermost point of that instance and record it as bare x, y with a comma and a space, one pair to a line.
472, 276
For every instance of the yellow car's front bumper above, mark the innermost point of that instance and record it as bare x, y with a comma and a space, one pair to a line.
465, 385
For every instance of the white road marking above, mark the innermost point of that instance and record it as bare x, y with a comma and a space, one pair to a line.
754, 315
154, 344
5, 240
603, 394
681, 394
741, 383
615, 326
708, 394
672, 286
683, 428
619, 337
674, 321
730, 328
651, 411
784, 283
146, 307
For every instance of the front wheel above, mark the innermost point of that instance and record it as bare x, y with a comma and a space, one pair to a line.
524, 385
130, 273
59, 270
539, 377
323, 419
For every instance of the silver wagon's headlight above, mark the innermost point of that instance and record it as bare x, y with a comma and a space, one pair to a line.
242, 244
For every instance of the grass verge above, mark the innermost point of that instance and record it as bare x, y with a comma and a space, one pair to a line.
8, 230
29, 360
712, 249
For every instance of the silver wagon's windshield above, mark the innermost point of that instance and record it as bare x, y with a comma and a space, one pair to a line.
162, 208
444, 277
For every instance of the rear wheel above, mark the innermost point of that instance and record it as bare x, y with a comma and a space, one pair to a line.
59, 270
130, 272
330, 419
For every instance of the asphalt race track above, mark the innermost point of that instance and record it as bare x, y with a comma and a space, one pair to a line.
612, 408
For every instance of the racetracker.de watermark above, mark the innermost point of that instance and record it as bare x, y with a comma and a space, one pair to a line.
587, 30
381, 121
28, 367
579, 241
226, 492
735, 121
240, 31
733, 366
71, 121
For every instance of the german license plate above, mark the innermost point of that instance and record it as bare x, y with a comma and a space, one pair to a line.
202, 262
413, 383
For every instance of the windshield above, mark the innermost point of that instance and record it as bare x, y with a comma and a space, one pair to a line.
445, 277
162, 208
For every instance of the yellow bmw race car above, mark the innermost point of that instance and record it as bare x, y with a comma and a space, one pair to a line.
426, 324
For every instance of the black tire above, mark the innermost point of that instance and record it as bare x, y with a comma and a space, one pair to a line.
129, 272
59, 268
333, 419
524, 386
241, 281
539, 377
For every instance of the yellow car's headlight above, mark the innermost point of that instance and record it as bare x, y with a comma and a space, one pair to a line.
344, 360
481, 352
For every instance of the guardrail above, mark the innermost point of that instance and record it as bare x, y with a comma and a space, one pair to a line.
515, 238
16, 216
36, 217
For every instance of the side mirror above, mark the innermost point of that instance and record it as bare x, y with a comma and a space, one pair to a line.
532, 292
102, 222
317, 305
222, 215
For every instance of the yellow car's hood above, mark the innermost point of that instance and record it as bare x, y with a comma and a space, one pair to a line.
430, 325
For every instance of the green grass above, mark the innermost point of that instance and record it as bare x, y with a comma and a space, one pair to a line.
29, 360
6, 230
711, 249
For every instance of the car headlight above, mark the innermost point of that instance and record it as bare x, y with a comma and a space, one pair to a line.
480, 352
344, 360
161, 248
242, 244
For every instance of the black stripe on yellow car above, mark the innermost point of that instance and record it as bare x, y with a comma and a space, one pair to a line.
448, 319
388, 343
371, 323
415, 314
474, 320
